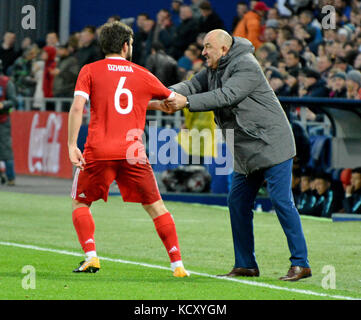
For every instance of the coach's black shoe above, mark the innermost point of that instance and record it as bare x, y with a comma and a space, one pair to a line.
241, 272
91, 266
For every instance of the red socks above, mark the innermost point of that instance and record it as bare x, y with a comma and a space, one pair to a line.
85, 227
165, 227
164, 224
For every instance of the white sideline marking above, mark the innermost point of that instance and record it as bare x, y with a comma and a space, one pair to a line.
251, 283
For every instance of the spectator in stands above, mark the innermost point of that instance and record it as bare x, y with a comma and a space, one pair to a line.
164, 30
185, 63
324, 65
284, 34
113, 18
195, 8
8, 54
314, 85
163, 66
278, 84
273, 14
140, 39
65, 74
209, 20
292, 60
186, 32
271, 31
89, 50
357, 62
48, 56
73, 44
297, 6
352, 201
251, 26
281, 65
338, 86
148, 28
343, 8
175, 11
343, 35
307, 19
199, 40
52, 39
342, 64
242, 9
7, 102
292, 82
297, 46
307, 198
25, 44
38, 72
353, 84
22, 74
326, 204
267, 54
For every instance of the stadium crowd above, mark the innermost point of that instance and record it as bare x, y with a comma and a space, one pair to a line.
302, 55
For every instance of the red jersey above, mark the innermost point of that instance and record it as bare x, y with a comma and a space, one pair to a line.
119, 92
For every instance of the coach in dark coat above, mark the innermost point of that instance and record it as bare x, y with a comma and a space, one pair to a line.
235, 88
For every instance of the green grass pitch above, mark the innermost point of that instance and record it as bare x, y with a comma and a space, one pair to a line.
124, 231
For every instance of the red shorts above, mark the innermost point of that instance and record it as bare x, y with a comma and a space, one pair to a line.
136, 182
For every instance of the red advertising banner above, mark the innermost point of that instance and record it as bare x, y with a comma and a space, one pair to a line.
40, 143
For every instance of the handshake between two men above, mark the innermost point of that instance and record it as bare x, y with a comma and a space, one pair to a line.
172, 104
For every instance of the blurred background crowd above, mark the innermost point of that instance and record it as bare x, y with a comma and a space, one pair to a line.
303, 50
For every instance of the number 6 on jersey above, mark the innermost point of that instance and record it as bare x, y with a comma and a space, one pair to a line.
120, 90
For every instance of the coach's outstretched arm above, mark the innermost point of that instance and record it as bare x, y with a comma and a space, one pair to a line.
242, 82
74, 123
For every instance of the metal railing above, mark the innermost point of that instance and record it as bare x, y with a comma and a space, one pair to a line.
61, 104
341, 113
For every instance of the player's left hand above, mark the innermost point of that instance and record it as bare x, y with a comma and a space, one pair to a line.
76, 157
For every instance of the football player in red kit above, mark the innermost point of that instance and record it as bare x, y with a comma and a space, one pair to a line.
120, 92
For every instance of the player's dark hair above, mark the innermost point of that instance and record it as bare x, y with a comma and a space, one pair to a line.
357, 170
113, 36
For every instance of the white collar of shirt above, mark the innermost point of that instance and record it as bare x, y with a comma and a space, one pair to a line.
117, 58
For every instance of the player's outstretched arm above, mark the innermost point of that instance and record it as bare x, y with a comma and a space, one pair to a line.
159, 105
74, 123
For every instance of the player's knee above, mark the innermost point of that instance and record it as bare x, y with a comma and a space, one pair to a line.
155, 209
76, 204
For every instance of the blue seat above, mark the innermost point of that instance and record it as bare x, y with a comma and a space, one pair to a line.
320, 152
